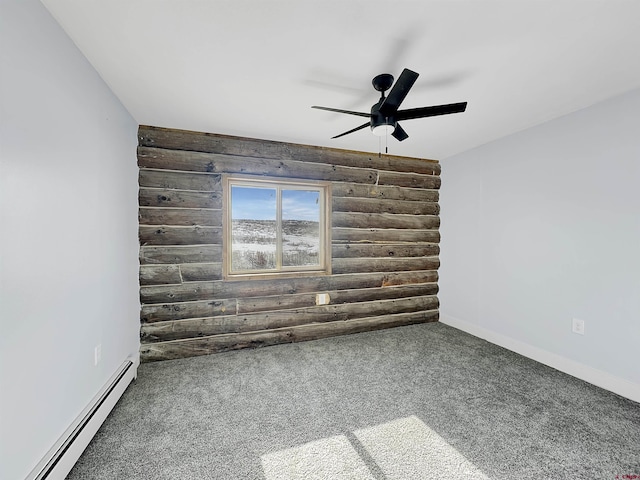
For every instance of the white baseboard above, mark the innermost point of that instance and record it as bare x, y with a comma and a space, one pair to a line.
61, 458
594, 376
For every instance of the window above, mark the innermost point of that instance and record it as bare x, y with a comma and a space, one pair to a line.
275, 227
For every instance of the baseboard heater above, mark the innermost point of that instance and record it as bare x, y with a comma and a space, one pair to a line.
67, 450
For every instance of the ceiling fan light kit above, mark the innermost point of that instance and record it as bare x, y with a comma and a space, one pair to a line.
382, 130
385, 115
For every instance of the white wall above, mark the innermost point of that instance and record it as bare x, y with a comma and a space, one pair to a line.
544, 226
68, 240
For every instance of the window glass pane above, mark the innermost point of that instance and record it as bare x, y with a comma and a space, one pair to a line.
300, 228
253, 228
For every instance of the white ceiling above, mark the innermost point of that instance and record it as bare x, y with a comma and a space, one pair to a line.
254, 67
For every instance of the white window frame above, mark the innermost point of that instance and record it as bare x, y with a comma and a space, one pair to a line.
279, 184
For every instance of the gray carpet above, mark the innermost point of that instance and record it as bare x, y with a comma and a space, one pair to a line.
423, 401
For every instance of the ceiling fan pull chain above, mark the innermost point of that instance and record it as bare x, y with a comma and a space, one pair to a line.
386, 139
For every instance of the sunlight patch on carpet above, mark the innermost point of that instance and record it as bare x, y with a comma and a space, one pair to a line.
329, 458
407, 448
401, 449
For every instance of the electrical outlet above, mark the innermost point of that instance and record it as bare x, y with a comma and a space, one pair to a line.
97, 354
322, 298
578, 326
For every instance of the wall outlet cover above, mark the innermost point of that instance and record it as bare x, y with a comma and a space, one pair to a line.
322, 299
578, 326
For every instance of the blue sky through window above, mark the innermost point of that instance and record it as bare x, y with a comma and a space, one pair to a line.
301, 205
253, 203
256, 203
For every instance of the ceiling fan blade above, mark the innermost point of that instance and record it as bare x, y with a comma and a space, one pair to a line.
398, 92
353, 130
399, 133
431, 111
337, 110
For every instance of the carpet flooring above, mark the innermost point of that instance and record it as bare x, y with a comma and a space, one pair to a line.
417, 402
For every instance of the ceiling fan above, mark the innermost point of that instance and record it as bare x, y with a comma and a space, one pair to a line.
384, 116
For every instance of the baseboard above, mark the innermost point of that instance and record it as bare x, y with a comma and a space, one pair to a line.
61, 458
594, 376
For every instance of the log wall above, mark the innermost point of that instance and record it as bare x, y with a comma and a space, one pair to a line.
385, 245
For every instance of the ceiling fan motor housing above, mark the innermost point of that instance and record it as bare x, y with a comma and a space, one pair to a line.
381, 125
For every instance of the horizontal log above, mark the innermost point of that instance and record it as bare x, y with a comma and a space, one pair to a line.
329, 313
409, 180
281, 302
159, 274
163, 235
199, 272
355, 250
180, 216
221, 343
364, 160
202, 182
240, 146
241, 306
178, 311
383, 235
173, 139
388, 192
383, 293
367, 160
188, 328
186, 292
376, 205
217, 163
391, 279
198, 309
161, 197
356, 265
180, 254
384, 220
255, 288
275, 302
